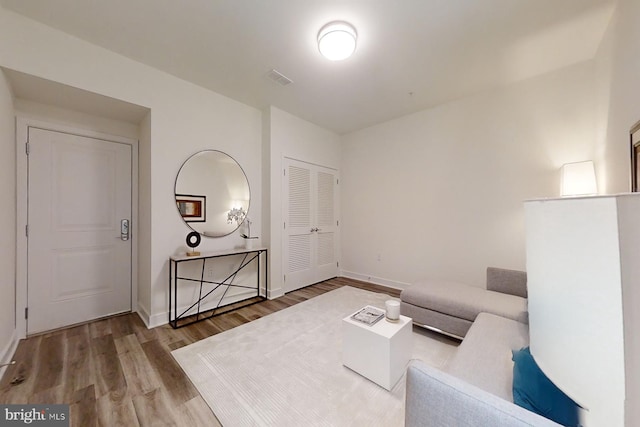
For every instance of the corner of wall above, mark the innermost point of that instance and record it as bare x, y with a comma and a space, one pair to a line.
143, 312
266, 175
8, 351
145, 213
8, 194
621, 82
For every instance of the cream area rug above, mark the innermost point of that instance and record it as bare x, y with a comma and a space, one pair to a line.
285, 369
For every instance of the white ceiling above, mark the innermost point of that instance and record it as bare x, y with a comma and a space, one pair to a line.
411, 54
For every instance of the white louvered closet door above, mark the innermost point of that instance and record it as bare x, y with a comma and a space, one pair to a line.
311, 224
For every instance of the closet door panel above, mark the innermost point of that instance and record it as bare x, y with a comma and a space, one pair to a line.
326, 222
298, 248
311, 225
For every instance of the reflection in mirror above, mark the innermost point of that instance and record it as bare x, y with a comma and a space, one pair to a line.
211, 187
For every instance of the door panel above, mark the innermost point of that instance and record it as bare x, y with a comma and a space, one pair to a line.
310, 243
299, 246
299, 253
81, 272
326, 223
79, 268
325, 199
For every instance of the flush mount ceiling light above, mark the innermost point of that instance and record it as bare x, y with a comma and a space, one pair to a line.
337, 40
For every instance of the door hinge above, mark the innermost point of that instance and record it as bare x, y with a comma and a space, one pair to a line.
284, 172
26, 312
338, 264
284, 225
337, 223
284, 278
27, 148
26, 230
337, 181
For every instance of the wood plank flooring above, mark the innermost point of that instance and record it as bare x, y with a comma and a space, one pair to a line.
115, 371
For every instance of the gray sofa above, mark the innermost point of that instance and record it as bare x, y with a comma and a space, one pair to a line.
452, 308
475, 387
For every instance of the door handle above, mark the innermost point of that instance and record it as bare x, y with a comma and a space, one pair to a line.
315, 229
124, 229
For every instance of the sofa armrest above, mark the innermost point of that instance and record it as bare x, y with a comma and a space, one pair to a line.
435, 398
512, 282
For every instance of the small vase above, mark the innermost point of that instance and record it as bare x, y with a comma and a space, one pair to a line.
248, 244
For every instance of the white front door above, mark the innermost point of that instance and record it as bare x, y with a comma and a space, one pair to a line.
311, 224
78, 256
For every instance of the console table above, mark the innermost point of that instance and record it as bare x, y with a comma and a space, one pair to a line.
185, 316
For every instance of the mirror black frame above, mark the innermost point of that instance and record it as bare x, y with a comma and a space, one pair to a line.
194, 207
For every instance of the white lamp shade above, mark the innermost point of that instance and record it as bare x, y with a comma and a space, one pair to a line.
578, 179
337, 41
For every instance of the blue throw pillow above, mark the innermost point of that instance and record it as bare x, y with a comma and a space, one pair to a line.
534, 391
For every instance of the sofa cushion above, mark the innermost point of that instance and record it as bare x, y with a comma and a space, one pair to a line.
484, 357
534, 391
512, 282
463, 301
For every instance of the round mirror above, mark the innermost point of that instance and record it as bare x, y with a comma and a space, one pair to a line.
212, 193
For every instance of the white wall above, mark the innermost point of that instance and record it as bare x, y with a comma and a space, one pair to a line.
66, 117
439, 193
620, 63
630, 268
184, 119
7, 222
290, 136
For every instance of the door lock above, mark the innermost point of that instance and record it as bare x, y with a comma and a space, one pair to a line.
124, 229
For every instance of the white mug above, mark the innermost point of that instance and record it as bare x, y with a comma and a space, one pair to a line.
393, 309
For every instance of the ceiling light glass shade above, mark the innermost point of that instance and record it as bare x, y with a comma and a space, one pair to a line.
337, 40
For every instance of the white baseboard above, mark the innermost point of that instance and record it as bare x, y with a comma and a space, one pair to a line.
375, 280
158, 320
152, 321
143, 312
275, 293
8, 352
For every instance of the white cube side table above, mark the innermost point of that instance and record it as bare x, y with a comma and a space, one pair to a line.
379, 352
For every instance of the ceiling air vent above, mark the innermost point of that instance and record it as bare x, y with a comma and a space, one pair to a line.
279, 78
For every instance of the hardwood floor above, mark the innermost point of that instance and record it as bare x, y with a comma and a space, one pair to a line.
115, 371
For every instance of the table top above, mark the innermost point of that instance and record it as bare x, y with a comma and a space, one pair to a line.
383, 326
213, 254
